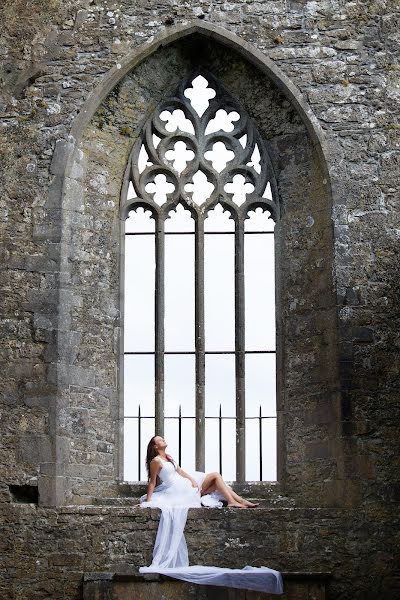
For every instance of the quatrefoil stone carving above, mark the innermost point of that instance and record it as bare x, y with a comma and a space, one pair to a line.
201, 148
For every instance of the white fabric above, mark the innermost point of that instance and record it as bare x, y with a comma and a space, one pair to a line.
170, 549
259, 579
175, 495
175, 490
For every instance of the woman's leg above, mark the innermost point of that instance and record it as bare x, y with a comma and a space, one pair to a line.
211, 487
214, 482
241, 500
247, 503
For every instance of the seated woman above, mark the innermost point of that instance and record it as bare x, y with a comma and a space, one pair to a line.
169, 485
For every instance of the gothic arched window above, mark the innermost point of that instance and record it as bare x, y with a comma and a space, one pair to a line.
199, 290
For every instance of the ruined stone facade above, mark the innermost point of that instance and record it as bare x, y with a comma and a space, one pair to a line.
321, 83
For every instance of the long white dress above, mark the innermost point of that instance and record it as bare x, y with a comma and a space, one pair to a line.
175, 495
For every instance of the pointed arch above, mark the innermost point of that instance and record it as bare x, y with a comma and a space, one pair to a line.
75, 160
222, 36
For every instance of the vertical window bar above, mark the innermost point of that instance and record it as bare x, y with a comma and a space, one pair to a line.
220, 439
199, 343
180, 436
139, 444
240, 352
260, 438
159, 329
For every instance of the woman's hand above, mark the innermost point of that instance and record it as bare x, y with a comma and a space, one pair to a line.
184, 474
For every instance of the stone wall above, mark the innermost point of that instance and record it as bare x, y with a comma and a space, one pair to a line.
321, 82
46, 551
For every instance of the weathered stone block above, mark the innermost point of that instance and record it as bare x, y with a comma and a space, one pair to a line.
363, 334
316, 450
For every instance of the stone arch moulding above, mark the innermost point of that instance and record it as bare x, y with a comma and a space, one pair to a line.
226, 38
69, 167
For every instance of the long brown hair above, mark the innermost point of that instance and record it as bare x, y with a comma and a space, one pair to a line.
152, 452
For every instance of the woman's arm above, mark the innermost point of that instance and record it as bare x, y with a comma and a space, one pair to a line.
184, 474
155, 468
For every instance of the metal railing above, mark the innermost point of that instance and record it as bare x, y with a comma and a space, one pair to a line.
220, 418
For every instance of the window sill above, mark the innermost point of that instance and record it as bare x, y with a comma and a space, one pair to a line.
267, 490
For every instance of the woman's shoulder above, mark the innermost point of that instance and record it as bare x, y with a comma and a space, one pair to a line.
155, 466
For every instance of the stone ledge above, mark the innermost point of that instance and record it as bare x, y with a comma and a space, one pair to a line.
136, 576
298, 585
252, 489
153, 513
194, 513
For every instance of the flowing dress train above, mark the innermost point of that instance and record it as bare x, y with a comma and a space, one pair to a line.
174, 496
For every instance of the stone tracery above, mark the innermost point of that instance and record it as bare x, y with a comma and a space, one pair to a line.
182, 145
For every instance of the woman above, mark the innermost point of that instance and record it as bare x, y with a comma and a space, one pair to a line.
174, 495
169, 485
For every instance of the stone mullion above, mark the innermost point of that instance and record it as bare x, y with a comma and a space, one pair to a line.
240, 352
200, 344
159, 327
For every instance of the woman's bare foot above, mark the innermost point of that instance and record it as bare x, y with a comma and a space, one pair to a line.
250, 504
235, 505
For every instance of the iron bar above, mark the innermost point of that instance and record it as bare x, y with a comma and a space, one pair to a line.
180, 436
260, 447
220, 438
216, 417
220, 418
192, 232
205, 352
139, 444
